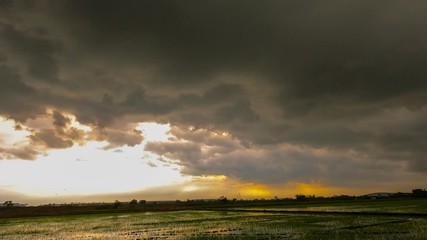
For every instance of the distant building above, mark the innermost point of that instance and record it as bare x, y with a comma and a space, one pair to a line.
379, 195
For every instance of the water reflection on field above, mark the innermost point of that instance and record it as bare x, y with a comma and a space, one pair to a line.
213, 225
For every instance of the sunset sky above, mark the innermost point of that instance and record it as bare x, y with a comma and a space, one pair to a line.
164, 100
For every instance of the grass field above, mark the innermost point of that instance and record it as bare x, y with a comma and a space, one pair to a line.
223, 224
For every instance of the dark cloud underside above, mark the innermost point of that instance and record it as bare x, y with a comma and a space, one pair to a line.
347, 77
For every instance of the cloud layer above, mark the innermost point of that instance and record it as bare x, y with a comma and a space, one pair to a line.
305, 91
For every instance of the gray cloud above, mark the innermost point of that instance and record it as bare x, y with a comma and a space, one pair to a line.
201, 152
24, 152
341, 76
151, 164
59, 120
120, 137
189, 153
49, 139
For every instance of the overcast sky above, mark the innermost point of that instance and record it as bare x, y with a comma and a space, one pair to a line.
270, 93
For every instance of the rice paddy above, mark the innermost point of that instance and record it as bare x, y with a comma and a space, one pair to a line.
220, 224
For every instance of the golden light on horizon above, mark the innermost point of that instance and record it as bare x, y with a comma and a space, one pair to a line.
252, 190
312, 189
319, 189
210, 178
189, 188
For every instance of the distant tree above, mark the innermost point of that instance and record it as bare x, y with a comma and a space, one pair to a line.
117, 204
401, 195
223, 199
419, 193
142, 202
133, 203
342, 197
8, 204
300, 197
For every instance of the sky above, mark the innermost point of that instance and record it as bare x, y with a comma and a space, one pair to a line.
164, 100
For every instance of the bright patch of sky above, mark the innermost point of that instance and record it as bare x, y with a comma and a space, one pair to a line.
88, 169
9, 136
155, 131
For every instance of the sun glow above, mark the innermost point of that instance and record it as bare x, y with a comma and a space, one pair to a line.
251, 190
189, 188
155, 131
11, 133
85, 169
318, 189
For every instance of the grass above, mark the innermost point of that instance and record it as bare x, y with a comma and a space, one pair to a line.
199, 224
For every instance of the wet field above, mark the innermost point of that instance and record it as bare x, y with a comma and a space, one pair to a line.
215, 225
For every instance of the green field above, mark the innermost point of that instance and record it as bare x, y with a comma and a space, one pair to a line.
226, 224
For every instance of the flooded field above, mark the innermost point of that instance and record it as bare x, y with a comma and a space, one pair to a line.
368, 206
214, 225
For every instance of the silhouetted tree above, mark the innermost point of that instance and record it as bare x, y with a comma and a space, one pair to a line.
300, 197
305, 197
419, 193
133, 203
8, 204
142, 202
117, 204
223, 199
342, 197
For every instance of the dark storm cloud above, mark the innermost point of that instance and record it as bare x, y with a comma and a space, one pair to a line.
346, 77
16, 96
138, 101
35, 52
201, 152
212, 97
314, 43
175, 36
